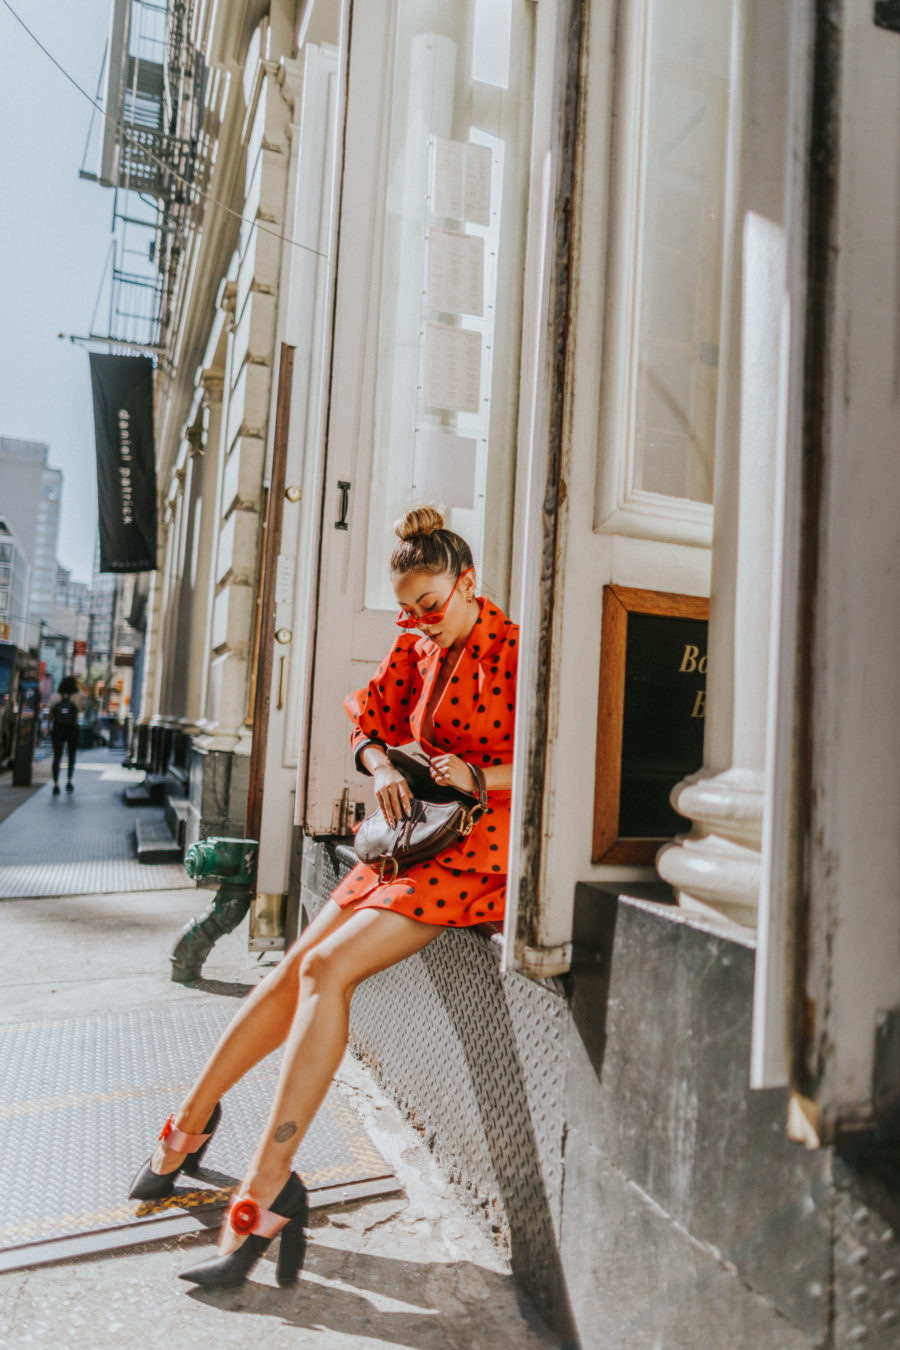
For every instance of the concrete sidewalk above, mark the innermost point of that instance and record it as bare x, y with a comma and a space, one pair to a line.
81, 842
413, 1270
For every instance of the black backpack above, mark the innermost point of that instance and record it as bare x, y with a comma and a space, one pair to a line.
65, 714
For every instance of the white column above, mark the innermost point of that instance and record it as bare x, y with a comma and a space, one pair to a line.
161, 649
716, 867
248, 385
204, 579
151, 677
170, 658
234, 562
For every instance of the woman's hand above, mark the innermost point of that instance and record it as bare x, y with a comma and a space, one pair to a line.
451, 771
392, 793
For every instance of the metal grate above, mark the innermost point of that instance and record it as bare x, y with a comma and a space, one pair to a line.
81, 1102
478, 1062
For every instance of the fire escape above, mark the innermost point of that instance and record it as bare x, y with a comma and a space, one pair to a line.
150, 155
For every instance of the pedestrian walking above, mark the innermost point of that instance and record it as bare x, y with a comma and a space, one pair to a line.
65, 705
452, 691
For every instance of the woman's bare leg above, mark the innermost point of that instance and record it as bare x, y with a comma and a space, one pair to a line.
371, 940
260, 1025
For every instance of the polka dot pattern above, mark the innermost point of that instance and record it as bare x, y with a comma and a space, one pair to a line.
449, 903
473, 719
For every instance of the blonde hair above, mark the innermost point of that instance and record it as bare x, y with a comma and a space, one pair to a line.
426, 546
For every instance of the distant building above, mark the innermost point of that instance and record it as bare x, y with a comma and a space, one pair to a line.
15, 577
66, 626
70, 594
31, 492
102, 609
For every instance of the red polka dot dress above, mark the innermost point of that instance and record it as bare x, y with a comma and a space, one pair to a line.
473, 719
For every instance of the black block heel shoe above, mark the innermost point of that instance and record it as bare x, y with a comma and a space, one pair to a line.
288, 1217
150, 1185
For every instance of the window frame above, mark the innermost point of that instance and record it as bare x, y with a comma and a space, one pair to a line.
621, 508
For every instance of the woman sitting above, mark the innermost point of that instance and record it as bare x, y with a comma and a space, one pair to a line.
453, 692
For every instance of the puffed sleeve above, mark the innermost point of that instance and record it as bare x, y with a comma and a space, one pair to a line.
380, 711
496, 710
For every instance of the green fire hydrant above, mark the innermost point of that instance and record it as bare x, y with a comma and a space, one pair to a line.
231, 862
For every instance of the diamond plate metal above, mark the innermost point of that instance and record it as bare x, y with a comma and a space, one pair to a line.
477, 1062
82, 1100
81, 843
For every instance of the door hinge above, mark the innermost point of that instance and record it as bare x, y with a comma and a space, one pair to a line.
346, 814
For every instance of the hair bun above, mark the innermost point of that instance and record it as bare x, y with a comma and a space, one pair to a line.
420, 520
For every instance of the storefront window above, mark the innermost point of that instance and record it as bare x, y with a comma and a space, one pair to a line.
680, 250
658, 416
452, 273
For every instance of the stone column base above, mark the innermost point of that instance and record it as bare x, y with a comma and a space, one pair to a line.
716, 868
217, 793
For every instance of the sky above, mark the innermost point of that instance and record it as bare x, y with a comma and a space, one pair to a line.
55, 232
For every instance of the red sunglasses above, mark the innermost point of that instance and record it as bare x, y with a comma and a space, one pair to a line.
434, 616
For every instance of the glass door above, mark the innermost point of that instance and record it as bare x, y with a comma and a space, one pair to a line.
425, 379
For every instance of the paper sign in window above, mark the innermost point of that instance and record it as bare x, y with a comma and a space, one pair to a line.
445, 469
452, 368
456, 272
462, 181
478, 184
491, 40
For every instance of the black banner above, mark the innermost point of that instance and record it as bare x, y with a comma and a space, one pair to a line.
122, 388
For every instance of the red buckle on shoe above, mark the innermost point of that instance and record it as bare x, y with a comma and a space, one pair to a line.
244, 1216
167, 1129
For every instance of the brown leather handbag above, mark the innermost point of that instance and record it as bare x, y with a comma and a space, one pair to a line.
439, 818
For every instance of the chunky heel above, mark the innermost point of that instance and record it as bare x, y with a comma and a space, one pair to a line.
292, 1250
150, 1185
287, 1217
192, 1162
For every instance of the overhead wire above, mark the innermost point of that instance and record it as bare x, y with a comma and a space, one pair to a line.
125, 131
87, 139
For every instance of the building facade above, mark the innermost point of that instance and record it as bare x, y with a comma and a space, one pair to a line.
32, 492
615, 283
102, 613
15, 586
71, 594
65, 634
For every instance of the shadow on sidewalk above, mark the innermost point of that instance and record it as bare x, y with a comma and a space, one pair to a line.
227, 988
450, 1304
